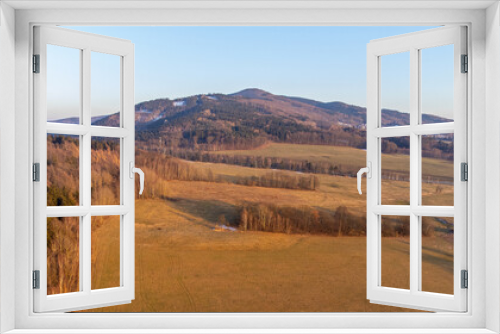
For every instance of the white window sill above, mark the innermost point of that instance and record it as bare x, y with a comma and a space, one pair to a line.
251, 331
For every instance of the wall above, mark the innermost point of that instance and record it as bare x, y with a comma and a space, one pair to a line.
257, 17
492, 161
7, 159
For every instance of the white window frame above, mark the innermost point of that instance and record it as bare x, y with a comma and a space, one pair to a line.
483, 314
413, 44
87, 45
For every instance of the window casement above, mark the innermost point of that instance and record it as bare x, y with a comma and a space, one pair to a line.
75, 221
418, 130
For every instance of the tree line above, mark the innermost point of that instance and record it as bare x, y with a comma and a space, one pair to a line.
252, 161
161, 168
239, 137
341, 222
276, 179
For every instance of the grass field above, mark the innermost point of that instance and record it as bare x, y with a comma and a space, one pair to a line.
313, 153
343, 155
183, 264
333, 191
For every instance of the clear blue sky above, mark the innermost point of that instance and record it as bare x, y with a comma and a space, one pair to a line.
320, 63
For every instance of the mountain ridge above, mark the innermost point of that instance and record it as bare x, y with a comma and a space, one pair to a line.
303, 110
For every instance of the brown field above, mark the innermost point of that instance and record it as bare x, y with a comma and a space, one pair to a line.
341, 155
183, 265
186, 263
333, 192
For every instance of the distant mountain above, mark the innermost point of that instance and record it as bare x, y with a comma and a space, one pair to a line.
253, 93
249, 118
258, 102
76, 120
354, 114
304, 110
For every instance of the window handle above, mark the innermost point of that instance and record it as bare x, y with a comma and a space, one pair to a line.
368, 171
134, 170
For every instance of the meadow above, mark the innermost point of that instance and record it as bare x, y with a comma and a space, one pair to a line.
187, 261
199, 268
184, 265
350, 158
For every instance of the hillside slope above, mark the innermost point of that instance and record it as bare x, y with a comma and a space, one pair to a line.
248, 119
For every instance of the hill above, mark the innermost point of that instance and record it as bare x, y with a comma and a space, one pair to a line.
248, 119
259, 103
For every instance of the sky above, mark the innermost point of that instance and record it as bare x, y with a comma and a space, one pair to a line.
320, 63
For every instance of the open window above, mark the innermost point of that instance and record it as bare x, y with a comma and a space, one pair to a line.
67, 202
424, 204
17, 247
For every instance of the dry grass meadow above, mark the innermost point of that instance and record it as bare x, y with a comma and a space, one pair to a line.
184, 263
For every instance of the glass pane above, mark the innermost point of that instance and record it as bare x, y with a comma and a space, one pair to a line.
105, 89
395, 170
63, 170
395, 231
105, 171
437, 170
63, 255
63, 84
395, 89
437, 254
437, 84
105, 252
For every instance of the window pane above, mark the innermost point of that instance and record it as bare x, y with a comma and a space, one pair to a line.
437, 84
437, 254
105, 252
63, 170
105, 171
63, 255
395, 231
395, 89
63, 84
395, 170
437, 170
105, 89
